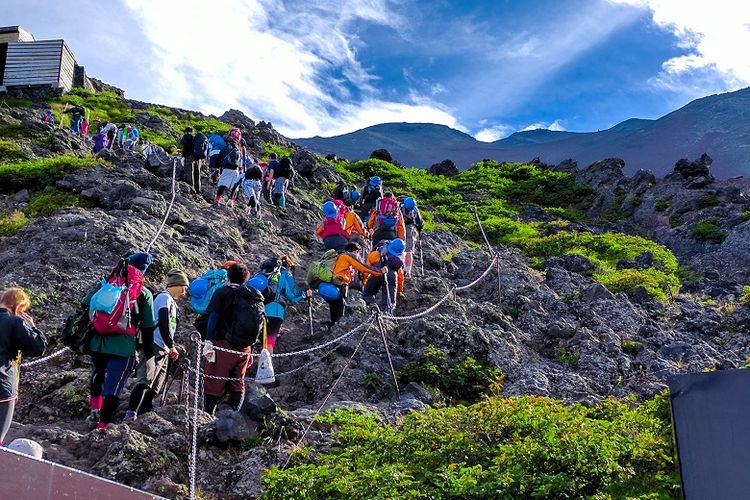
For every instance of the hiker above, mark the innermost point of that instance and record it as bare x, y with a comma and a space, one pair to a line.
111, 130
216, 145
235, 320
370, 195
385, 221
280, 289
201, 292
100, 141
284, 173
84, 128
77, 113
332, 230
352, 223
413, 224
188, 146
18, 337
152, 372
200, 151
333, 274
230, 163
271, 171
48, 117
387, 256
113, 345
251, 182
131, 138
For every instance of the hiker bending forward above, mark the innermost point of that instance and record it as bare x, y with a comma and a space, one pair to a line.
286, 291
152, 372
18, 336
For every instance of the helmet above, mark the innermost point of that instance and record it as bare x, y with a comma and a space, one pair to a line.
355, 196
330, 210
409, 203
375, 181
329, 291
396, 247
259, 282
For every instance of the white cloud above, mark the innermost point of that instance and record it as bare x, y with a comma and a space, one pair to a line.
289, 62
493, 133
715, 35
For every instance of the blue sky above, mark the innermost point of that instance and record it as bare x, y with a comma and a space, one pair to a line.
488, 68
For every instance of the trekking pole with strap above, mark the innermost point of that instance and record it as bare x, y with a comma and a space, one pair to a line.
309, 316
388, 293
421, 256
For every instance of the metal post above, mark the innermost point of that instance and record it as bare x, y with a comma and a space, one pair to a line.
381, 327
196, 393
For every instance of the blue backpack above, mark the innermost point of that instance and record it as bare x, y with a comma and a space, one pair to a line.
203, 288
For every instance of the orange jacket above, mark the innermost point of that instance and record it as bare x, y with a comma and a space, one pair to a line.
373, 258
400, 226
353, 223
345, 266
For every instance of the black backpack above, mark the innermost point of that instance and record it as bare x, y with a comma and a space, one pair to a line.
343, 193
200, 147
247, 317
286, 169
77, 332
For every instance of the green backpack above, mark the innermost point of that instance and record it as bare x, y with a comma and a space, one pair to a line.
322, 271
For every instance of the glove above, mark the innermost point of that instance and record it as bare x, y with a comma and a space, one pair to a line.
209, 352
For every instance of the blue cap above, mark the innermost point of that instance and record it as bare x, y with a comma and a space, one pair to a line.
329, 210
140, 261
409, 203
396, 247
329, 291
355, 196
375, 181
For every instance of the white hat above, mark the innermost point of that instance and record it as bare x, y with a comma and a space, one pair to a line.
27, 447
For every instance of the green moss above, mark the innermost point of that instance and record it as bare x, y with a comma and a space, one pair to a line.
614, 211
658, 284
566, 214
629, 347
662, 205
745, 215
708, 200
10, 151
12, 222
708, 230
16, 103
745, 300
525, 447
33, 174
280, 151
13, 130
51, 200
675, 220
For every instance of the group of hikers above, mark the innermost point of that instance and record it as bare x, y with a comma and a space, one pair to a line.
369, 240
226, 161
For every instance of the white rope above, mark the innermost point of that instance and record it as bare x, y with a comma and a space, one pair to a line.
484, 235
169, 208
480, 278
39, 361
421, 314
338, 339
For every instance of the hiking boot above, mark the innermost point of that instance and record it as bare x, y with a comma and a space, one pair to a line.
92, 421
130, 416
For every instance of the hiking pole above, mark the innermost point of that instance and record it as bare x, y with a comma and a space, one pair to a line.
421, 256
309, 316
387, 292
381, 327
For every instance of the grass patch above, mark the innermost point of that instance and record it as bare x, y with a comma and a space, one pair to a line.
50, 201
658, 284
10, 151
662, 205
36, 174
708, 230
12, 222
281, 152
16, 103
524, 447
708, 200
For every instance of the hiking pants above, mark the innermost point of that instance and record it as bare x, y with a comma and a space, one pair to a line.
335, 242
279, 199
195, 178
108, 379
337, 308
382, 234
273, 327
228, 365
187, 169
6, 417
373, 287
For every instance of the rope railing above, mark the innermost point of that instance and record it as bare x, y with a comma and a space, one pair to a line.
169, 208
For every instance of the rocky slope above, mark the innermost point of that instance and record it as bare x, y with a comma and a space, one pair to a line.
553, 332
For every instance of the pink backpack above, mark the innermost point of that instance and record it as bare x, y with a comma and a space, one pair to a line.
120, 320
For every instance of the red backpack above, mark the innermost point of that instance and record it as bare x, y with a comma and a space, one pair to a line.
387, 212
120, 320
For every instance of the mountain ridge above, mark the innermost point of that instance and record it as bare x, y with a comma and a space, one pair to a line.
718, 124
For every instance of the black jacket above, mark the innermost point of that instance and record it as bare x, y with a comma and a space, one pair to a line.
15, 336
188, 144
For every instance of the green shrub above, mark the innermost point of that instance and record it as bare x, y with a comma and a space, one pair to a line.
525, 447
745, 300
629, 347
16, 103
10, 151
708, 230
566, 214
675, 220
745, 215
708, 200
614, 211
463, 380
50, 201
33, 174
657, 283
281, 152
662, 204
12, 222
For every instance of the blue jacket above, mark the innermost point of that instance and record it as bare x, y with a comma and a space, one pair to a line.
286, 288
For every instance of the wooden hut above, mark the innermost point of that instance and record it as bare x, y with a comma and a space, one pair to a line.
27, 62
